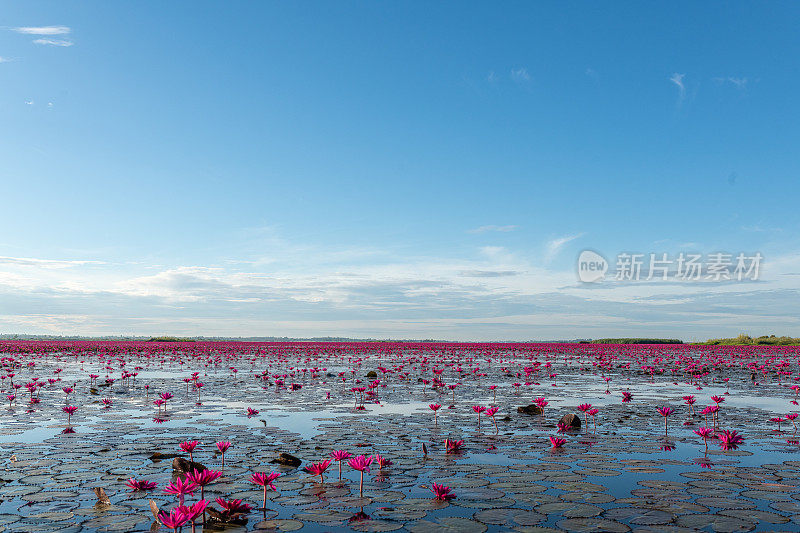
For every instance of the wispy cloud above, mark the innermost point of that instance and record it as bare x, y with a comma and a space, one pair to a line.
493, 295
53, 42
492, 227
488, 273
46, 263
554, 246
520, 75
4, 59
43, 30
739, 83
677, 79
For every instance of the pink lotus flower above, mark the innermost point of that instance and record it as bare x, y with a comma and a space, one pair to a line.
382, 462
164, 397
189, 447
195, 510
203, 478
730, 440
141, 485
791, 417
181, 488
557, 442
70, 410
360, 463
318, 469
173, 520
435, 407
223, 446
626, 396
453, 446
441, 492
265, 480
232, 508
705, 434
491, 411
251, 412
339, 456
665, 412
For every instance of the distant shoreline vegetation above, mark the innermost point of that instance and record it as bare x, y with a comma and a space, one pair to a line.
170, 339
741, 340
634, 340
746, 340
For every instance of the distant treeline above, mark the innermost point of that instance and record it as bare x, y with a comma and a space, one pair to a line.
170, 339
747, 340
636, 340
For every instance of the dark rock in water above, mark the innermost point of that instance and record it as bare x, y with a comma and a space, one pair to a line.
506, 418
329, 375
286, 459
94, 391
182, 466
158, 456
372, 374
530, 410
571, 420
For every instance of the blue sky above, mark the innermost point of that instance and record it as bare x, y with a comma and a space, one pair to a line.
405, 170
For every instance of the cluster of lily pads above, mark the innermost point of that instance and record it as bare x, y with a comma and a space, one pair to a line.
565, 418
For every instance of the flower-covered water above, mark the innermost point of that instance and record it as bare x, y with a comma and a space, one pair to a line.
628, 467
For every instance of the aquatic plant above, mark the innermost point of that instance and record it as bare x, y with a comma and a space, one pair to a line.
318, 469
263, 480
441, 492
189, 446
223, 447
435, 407
339, 456
360, 463
665, 412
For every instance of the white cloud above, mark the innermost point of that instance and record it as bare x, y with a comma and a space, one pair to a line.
492, 227
4, 60
54, 42
520, 75
739, 83
43, 30
677, 79
554, 246
45, 263
312, 291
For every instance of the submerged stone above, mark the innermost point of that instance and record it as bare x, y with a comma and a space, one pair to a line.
286, 459
571, 420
